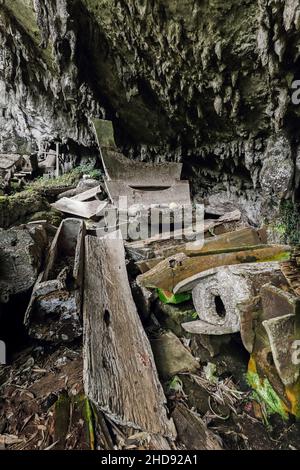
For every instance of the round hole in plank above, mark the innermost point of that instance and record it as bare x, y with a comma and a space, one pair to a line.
270, 359
220, 307
106, 318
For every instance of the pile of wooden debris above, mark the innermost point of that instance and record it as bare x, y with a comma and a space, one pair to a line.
145, 344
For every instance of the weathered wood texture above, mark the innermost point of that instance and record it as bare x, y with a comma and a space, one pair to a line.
118, 167
291, 270
227, 241
185, 270
119, 370
280, 316
242, 237
192, 432
282, 336
87, 195
85, 210
218, 292
57, 294
181, 241
178, 193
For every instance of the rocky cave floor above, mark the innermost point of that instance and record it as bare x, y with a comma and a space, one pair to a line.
43, 404
36, 387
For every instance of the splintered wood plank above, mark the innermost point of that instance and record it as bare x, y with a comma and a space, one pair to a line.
192, 431
185, 270
226, 242
120, 375
167, 244
178, 193
86, 195
85, 210
282, 336
239, 238
291, 270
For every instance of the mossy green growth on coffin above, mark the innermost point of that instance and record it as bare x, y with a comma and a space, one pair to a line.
73, 416
169, 298
265, 392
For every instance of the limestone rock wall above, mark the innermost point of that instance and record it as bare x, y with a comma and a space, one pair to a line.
206, 81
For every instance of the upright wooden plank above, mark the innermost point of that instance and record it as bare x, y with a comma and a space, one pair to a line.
120, 375
118, 167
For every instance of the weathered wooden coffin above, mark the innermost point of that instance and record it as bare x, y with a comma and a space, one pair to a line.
218, 292
177, 193
239, 238
118, 167
280, 316
55, 309
191, 240
120, 375
180, 273
225, 242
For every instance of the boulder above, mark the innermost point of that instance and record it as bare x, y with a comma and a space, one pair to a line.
171, 356
22, 252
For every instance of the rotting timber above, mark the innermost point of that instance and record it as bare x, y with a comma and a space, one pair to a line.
159, 343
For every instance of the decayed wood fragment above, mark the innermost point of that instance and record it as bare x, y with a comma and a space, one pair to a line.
57, 293
219, 291
192, 431
239, 238
280, 316
249, 311
282, 336
119, 368
179, 241
276, 302
86, 210
291, 271
87, 195
185, 270
262, 363
231, 240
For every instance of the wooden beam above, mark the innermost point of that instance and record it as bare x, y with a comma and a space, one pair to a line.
180, 272
87, 195
119, 368
179, 241
85, 210
239, 238
192, 432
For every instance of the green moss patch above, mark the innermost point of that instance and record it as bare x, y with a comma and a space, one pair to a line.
174, 299
265, 392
